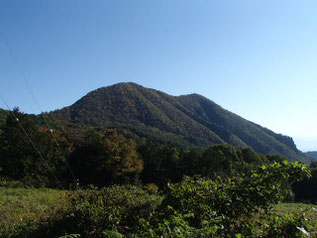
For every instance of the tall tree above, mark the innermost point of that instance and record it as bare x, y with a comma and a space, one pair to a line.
106, 158
30, 154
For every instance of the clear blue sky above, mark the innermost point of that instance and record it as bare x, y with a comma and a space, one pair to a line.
257, 59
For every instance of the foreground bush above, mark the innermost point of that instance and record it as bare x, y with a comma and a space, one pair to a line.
98, 213
238, 207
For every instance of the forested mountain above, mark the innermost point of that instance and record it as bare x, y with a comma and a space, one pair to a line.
312, 155
190, 120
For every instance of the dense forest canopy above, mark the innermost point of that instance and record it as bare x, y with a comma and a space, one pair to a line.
3, 116
39, 156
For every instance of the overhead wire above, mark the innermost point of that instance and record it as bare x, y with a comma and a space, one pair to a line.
32, 143
35, 100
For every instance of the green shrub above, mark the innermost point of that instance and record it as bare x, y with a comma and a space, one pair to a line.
111, 234
92, 213
295, 226
70, 236
7, 183
233, 208
151, 188
239, 207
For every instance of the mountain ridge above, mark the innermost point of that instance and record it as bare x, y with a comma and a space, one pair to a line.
312, 155
191, 118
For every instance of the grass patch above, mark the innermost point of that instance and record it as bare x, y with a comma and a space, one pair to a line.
293, 208
22, 208
309, 210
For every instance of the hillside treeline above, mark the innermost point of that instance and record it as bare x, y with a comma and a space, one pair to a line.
38, 156
72, 155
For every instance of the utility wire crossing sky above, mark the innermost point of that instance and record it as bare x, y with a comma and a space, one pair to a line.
254, 58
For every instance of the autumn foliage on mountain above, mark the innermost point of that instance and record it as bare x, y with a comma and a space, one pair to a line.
190, 120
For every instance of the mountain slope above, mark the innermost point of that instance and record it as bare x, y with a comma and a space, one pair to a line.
312, 155
189, 119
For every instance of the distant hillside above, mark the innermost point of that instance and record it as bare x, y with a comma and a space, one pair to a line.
312, 155
191, 120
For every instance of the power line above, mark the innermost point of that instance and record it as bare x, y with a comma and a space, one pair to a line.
19, 68
35, 100
32, 143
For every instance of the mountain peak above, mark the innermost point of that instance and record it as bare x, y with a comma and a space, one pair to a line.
191, 120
